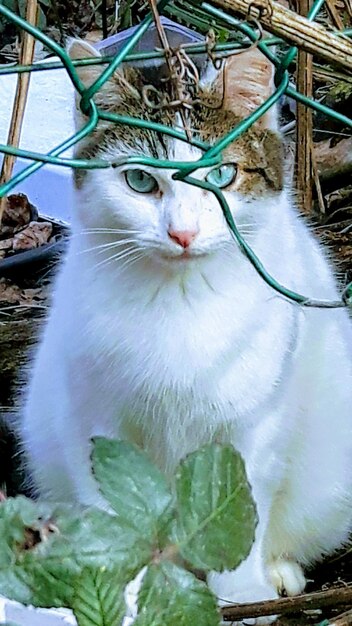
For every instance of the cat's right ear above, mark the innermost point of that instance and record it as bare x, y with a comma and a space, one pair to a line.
78, 49
88, 74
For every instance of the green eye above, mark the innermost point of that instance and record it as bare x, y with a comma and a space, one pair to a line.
140, 181
222, 176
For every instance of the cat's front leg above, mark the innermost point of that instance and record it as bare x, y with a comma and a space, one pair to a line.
249, 582
260, 445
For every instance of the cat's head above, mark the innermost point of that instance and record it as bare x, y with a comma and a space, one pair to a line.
171, 220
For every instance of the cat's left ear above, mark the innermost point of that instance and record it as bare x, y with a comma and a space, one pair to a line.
248, 80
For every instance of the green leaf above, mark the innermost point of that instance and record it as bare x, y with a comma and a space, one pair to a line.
135, 488
216, 514
99, 598
171, 596
44, 549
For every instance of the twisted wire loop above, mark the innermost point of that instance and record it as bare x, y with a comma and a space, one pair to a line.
183, 78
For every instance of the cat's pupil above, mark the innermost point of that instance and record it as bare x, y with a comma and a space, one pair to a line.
222, 176
141, 181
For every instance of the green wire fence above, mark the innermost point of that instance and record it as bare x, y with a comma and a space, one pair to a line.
200, 15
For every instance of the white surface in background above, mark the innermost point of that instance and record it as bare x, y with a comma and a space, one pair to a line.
21, 615
48, 118
29, 616
48, 121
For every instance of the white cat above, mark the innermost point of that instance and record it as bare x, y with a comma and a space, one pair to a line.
162, 333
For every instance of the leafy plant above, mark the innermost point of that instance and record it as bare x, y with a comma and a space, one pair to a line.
83, 558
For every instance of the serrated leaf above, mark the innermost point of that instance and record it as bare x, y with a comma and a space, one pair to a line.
171, 596
44, 549
132, 485
99, 598
216, 514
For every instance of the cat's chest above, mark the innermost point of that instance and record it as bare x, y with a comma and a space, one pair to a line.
181, 362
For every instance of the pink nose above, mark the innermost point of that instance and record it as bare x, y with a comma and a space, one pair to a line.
183, 237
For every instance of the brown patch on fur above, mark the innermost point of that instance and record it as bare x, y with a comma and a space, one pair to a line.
257, 151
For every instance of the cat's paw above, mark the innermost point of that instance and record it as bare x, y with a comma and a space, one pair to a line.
287, 577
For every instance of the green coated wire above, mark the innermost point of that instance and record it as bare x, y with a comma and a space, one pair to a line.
112, 67
159, 128
212, 155
181, 166
52, 45
246, 123
252, 257
78, 136
47, 158
222, 50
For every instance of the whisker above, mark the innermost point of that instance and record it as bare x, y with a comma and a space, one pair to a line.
113, 231
131, 261
103, 246
115, 257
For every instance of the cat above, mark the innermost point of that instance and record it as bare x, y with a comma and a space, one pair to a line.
163, 334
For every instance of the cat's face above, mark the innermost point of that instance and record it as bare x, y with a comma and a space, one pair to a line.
170, 220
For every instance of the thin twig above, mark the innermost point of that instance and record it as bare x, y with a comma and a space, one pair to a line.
317, 184
284, 606
348, 5
180, 68
327, 74
19, 106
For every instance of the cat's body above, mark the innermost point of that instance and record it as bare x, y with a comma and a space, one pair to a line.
172, 352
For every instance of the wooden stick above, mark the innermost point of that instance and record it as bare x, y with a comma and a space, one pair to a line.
309, 601
344, 619
348, 5
19, 106
297, 30
318, 188
334, 14
304, 119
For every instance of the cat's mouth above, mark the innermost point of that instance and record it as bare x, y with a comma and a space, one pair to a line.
185, 257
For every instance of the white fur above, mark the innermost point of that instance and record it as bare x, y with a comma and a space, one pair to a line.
175, 353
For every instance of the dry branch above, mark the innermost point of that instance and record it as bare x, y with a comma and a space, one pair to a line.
297, 30
344, 619
26, 57
324, 599
304, 165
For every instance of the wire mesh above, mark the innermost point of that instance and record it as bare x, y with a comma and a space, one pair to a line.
198, 15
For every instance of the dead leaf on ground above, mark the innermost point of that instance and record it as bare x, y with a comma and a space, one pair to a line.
10, 293
6, 244
17, 213
33, 236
